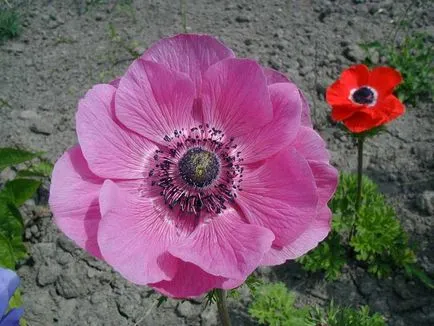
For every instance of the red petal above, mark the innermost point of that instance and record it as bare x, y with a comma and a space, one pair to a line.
338, 94
389, 109
355, 76
362, 121
384, 80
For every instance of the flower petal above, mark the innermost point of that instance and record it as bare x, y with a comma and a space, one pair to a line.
280, 132
225, 245
73, 200
9, 282
13, 317
310, 145
337, 95
191, 54
280, 195
273, 76
326, 179
111, 150
189, 281
309, 239
235, 97
362, 121
135, 232
390, 108
355, 76
154, 101
384, 80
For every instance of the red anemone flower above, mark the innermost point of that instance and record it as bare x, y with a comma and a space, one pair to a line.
363, 99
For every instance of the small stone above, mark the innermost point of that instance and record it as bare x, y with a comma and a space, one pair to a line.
99, 17
209, 316
401, 288
127, 304
186, 309
425, 202
15, 48
242, 19
41, 127
28, 115
66, 244
354, 53
248, 41
48, 273
70, 284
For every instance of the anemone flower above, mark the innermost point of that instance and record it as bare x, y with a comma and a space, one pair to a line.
9, 282
193, 169
363, 99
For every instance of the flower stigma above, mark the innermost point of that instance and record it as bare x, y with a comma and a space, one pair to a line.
199, 169
364, 95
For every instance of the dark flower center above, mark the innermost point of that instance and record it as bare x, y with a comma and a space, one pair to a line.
198, 167
364, 95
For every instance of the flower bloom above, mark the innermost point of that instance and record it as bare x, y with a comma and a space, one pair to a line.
193, 169
363, 99
9, 282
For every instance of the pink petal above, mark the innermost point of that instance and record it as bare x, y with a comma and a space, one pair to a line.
310, 145
225, 246
280, 132
305, 112
134, 233
326, 179
191, 54
280, 195
235, 97
154, 101
273, 76
115, 82
111, 150
308, 240
189, 281
73, 200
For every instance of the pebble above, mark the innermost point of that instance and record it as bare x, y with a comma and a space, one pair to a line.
48, 273
354, 53
42, 127
70, 283
15, 48
242, 19
425, 202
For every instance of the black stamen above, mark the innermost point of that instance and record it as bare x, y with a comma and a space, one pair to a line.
364, 95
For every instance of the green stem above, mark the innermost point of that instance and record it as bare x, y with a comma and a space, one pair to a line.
184, 15
360, 141
359, 171
223, 307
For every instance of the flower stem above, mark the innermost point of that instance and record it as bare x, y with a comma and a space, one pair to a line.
360, 141
223, 307
359, 171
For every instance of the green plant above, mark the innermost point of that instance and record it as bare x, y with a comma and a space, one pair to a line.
329, 256
379, 240
414, 58
344, 316
10, 24
12, 195
273, 305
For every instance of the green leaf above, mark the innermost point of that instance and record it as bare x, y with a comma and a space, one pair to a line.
12, 156
7, 257
20, 190
42, 169
414, 271
11, 221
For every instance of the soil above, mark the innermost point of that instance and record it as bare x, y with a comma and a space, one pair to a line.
68, 46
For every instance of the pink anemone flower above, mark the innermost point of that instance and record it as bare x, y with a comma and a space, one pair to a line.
193, 169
